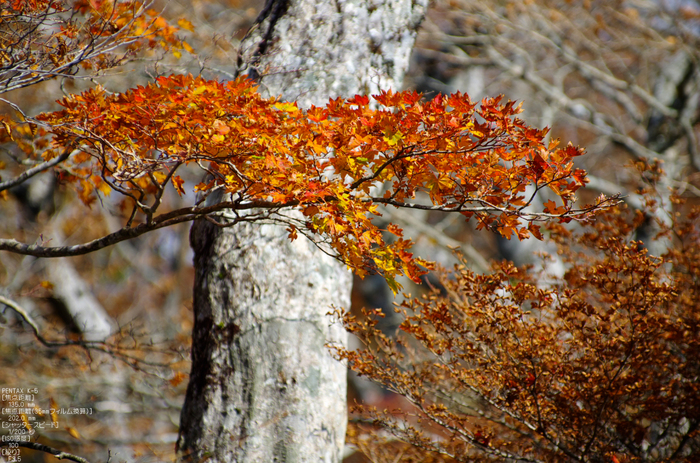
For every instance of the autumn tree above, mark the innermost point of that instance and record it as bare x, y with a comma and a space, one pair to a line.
599, 365
310, 162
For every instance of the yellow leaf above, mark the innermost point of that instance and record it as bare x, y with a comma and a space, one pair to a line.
288, 107
185, 24
316, 147
187, 47
394, 285
394, 139
8, 129
159, 176
73, 432
53, 411
105, 189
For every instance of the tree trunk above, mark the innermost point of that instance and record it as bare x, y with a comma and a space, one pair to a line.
263, 386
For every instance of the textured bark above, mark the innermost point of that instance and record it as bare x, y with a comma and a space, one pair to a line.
677, 87
263, 386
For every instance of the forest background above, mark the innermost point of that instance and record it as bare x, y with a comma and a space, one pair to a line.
624, 84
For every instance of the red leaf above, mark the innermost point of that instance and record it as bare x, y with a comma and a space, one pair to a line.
360, 100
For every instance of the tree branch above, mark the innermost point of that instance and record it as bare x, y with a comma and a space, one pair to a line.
29, 173
609, 188
406, 219
177, 216
45, 448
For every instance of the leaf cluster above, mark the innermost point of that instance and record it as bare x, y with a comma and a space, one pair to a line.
601, 365
336, 164
46, 39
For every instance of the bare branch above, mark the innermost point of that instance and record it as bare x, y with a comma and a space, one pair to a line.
609, 188
186, 214
475, 258
29, 173
59, 454
25, 316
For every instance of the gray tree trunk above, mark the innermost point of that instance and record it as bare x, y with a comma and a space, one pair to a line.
263, 386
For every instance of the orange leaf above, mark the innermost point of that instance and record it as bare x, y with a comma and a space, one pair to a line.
178, 183
360, 100
177, 378
535, 230
310, 210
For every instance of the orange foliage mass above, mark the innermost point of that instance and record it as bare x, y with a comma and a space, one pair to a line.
599, 365
335, 163
43, 39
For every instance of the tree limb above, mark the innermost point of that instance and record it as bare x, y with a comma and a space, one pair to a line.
27, 174
45, 448
177, 216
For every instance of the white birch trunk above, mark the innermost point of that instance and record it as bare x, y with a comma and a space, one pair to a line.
263, 386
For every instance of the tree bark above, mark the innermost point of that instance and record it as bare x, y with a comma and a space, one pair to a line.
263, 386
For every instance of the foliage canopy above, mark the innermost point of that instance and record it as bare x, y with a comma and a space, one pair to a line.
335, 163
598, 365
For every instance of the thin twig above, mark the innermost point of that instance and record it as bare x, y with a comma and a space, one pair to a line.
45, 448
